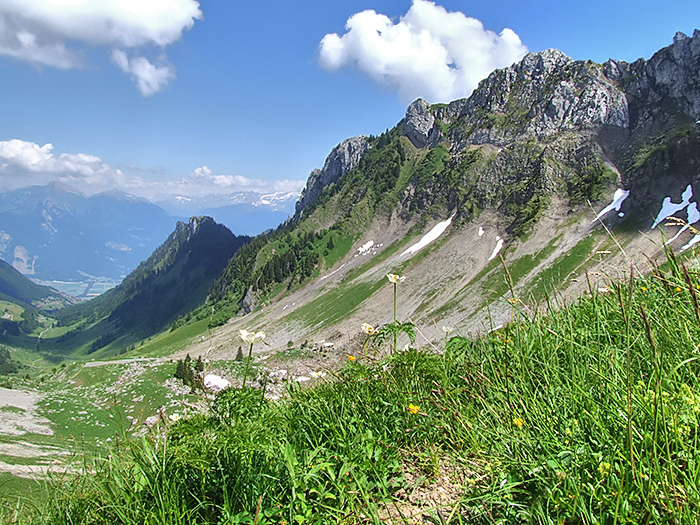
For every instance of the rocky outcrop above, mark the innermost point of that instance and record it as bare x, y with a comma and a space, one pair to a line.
344, 157
672, 75
543, 94
419, 125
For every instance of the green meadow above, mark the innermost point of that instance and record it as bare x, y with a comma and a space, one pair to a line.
586, 414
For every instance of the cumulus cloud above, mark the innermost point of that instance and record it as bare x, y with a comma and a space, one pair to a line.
149, 78
24, 163
430, 53
38, 32
203, 176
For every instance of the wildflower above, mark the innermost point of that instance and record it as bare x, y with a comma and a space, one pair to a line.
413, 409
513, 300
393, 278
252, 337
519, 422
351, 358
447, 329
645, 289
368, 329
174, 417
604, 469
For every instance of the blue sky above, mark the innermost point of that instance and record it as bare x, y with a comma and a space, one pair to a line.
175, 96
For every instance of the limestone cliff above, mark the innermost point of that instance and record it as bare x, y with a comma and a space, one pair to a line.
344, 157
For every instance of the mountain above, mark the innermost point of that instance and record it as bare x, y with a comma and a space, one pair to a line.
16, 288
490, 205
175, 279
55, 233
244, 213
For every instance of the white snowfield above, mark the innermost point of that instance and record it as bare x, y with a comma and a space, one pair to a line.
429, 237
499, 245
215, 382
668, 209
618, 198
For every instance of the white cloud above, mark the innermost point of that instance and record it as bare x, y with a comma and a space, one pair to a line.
210, 183
430, 53
24, 163
38, 31
149, 78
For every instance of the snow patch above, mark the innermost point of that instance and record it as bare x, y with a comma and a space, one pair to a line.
429, 237
215, 382
499, 245
669, 207
618, 198
692, 242
366, 247
693, 217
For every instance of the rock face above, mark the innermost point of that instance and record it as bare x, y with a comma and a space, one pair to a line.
544, 94
671, 75
419, 125
547, 93
341, 159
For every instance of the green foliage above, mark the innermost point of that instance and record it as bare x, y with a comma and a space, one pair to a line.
590, 182
590, 414
189, 372
175, 279
7, 365
18, 289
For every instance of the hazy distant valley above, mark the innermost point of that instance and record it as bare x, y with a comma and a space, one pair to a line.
84, 246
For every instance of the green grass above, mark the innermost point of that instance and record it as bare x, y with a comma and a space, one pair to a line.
167, 343
590, 414
11, 308
569, 263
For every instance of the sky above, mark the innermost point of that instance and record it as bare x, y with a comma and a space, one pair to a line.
161, 97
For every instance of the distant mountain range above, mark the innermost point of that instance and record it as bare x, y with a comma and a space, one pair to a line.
54, 233
244, 213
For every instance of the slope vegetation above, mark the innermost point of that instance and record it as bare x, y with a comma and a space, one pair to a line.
175, 279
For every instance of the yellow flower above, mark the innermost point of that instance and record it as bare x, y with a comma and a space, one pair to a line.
393, 278
413, 409
252, 337
351, 358
513, 300
645, 289
678, 288
604, 469
519, 422
368, 329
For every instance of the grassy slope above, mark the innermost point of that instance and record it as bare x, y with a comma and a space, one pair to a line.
590, 414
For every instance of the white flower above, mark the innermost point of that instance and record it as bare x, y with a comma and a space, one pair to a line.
252, 337
317, 375
393, 278
174, 417
447, 329
368, 329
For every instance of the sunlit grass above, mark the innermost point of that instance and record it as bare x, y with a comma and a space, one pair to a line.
590, 414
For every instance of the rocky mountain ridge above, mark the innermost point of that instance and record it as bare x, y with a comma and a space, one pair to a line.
522, 169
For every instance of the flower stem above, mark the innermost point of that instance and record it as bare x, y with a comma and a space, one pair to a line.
247, 364
394, 317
